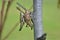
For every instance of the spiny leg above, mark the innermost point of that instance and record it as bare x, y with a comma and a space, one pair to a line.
19, 9
21, 18
21, 21
21, 26
31, 26
21, 6
25, 11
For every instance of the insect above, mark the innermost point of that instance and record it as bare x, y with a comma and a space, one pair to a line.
25, 17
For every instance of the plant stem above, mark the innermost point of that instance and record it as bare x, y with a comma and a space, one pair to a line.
1, 19
6, 13
37, 19
11, 31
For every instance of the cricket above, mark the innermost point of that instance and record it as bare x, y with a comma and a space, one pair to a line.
25, 17
29, 19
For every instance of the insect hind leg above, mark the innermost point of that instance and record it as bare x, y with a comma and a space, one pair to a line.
21, 26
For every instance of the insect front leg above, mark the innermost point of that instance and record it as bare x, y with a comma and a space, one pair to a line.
21, 21
21, 26
30, 24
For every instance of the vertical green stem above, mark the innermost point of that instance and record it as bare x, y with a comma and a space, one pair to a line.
2, 11
6, 13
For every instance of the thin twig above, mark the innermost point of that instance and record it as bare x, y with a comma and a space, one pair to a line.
6, 13
11, 31
2, 11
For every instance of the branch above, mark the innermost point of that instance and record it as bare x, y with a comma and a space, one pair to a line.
37, 19
6, 13
2, 11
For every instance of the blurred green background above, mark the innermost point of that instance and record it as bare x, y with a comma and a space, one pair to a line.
51, 21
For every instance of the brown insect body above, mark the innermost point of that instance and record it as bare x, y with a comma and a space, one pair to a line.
27, 18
